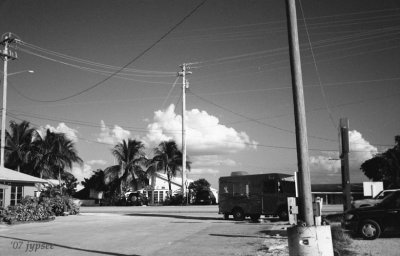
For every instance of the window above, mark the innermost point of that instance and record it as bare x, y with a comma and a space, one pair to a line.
240, 189
156, 197
16, 194
1, 197
161, 196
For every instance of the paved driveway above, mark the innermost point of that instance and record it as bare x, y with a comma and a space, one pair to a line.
139, 231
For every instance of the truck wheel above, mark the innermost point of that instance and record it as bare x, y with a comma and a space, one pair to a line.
226, 216
255, 217
370, 230
283, 215
238, 214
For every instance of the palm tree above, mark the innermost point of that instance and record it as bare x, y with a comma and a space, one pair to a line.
18, 144
130, 168
53, 153
167, 158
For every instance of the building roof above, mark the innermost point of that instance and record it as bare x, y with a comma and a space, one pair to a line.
10, 175
330, 188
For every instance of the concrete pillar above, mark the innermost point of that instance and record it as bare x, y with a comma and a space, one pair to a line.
307, 241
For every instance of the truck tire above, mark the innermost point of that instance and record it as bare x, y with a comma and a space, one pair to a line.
238, 214
369, 230
254, 217
283, 214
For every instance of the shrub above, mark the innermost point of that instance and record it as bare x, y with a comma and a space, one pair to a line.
28, 210
340, 240
38, 209
177, 199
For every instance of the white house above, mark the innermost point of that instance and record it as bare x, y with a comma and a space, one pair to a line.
16, 185
159, 187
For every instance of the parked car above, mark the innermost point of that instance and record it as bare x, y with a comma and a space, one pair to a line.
136, 199
370, 222
373, 201
205, 197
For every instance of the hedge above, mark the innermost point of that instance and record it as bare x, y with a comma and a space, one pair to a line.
38, 209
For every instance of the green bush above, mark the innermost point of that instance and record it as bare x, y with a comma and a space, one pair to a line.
38, 209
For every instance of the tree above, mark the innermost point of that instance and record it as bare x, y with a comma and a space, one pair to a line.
199, 185
96, 181
18, 144
52, 154
385, 166
130, 169
167, 158
70, 183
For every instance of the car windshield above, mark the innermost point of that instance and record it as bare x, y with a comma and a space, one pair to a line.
388, 198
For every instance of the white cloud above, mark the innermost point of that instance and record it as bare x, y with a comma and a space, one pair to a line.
212, 161
204, 133
202, 171
70, 133
112, 136
360, 151
96, 162
82, 172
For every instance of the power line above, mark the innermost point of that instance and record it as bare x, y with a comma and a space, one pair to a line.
134, 59
316, 69
255, 120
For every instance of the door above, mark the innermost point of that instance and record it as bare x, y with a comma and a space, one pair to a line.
1, 197
393, 211
270, 196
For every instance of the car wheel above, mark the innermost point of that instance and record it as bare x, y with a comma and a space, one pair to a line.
370, 230
238, 214
255, 217
226, 216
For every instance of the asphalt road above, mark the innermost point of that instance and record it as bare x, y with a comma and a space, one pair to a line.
172, 230
140, 231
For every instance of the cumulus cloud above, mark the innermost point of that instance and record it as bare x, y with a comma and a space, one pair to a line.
204, 133
96, 162
112, 136
82, 172
70, 133
212, 161
360, 151
202, 171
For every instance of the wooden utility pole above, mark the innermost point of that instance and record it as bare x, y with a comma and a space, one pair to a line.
344, 157
185, 85
306, 210
6, 54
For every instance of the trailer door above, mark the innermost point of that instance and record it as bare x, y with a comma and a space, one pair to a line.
270, 197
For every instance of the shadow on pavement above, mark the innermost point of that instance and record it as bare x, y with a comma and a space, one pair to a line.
239, 236
275, 233
173, 216
68, 247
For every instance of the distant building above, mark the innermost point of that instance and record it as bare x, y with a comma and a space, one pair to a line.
158, 188
16, 185
333, 193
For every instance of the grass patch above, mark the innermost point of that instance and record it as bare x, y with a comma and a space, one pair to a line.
341, 241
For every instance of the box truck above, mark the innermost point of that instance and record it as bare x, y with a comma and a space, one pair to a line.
255, 195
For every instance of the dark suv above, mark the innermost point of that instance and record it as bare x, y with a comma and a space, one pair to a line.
136, 199
370, 222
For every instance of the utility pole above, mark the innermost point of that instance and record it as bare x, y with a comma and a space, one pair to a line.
309, 239
344, 158
5, 55
185, 85
306, 208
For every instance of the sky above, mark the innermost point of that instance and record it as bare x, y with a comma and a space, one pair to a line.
106, 70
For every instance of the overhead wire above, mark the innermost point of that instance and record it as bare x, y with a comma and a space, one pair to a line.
134, 59
316, 70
